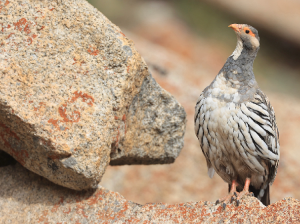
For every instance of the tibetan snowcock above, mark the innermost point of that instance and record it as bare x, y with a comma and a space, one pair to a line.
235, 124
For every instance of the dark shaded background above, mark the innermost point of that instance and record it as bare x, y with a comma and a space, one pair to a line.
185, 43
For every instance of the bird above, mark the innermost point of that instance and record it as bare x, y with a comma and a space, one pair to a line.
236, 125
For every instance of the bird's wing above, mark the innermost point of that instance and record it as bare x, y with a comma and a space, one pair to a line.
199, 118
258, 136
261, 106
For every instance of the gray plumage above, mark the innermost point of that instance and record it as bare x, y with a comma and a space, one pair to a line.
235, 122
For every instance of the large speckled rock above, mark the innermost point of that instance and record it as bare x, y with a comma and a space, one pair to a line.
154, 129
66, 73
74, 92
27, 198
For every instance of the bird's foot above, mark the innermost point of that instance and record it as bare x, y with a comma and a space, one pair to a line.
234, 195
244, 192
230, 197
227, 199
241, 195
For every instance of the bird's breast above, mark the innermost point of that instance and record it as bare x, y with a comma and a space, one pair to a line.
230, 89
223, 90
218, 113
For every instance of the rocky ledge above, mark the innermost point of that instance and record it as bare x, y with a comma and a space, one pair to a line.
28, 198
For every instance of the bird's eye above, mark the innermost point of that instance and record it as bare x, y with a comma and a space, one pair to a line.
247, 31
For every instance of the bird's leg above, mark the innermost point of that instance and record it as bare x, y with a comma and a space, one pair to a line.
244, 192
229, 197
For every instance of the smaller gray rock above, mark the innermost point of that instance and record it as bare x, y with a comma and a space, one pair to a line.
153, 130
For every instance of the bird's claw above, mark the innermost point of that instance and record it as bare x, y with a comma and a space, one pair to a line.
234, 197
231, 200
224, 206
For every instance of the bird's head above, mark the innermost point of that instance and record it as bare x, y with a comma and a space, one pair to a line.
247, 36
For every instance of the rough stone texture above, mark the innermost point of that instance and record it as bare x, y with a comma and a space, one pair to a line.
68, 80
67, 74
28, 198
155, 128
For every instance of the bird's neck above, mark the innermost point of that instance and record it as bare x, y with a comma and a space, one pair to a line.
244, 53
237, 76
239, 65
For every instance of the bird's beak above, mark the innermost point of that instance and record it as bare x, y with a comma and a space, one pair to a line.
235, 27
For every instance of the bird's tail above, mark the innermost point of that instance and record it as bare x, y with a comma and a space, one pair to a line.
265, 199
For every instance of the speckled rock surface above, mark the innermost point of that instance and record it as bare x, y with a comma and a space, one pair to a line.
155, 128
66, 74
28, 198
74, 93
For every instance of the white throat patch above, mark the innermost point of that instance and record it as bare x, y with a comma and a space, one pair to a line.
238, 50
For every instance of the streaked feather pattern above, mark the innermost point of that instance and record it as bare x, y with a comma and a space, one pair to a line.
235, 122
250, 134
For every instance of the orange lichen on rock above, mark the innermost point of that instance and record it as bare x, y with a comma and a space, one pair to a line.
93, 51
54, 122
73, 118
20, 24
10, 35
75, 115
41, 105
5, 4
85, 98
